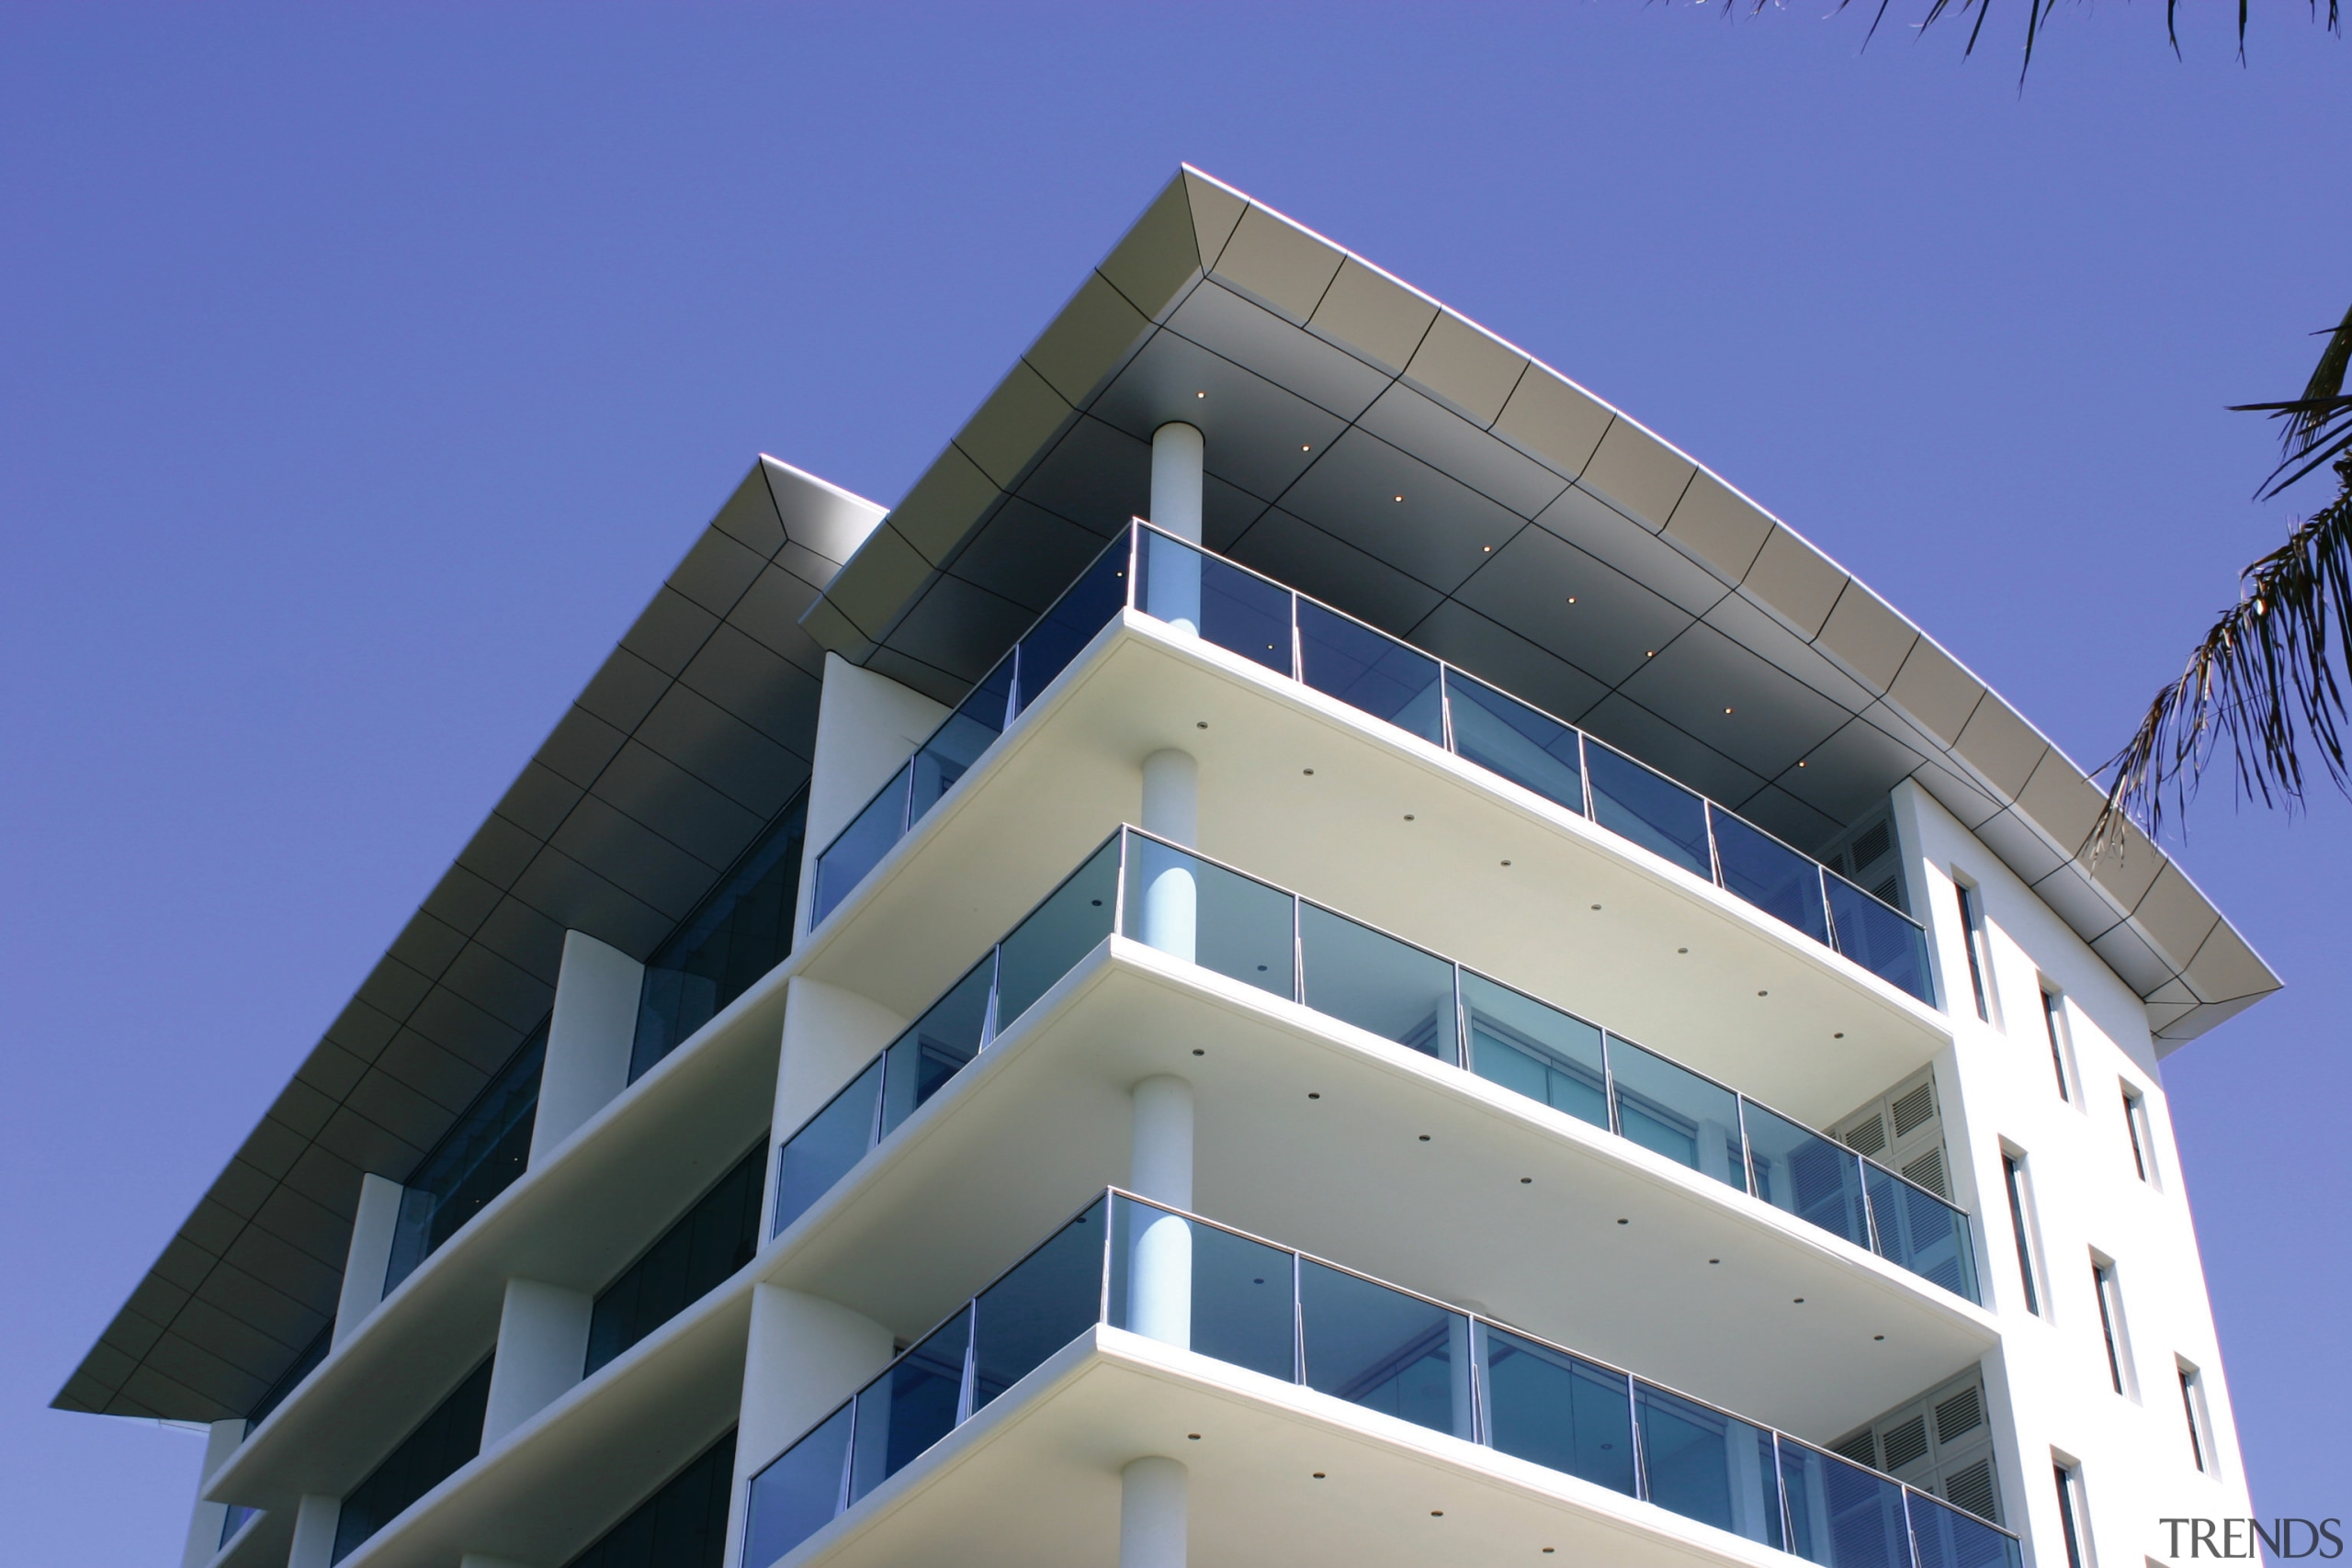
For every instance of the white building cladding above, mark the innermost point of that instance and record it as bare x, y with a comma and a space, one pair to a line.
990, 1033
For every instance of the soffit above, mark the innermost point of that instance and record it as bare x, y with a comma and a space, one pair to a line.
1378, 451
690, 738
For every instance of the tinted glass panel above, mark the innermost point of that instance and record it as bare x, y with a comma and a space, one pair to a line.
1770, 875
741, 932
1232, 608
1949, 1539
707, 1244
473, 1163
1801, 1171
1538, 1051
1676, 1112
938, 1045
1086, 609
1234, 926
1505, 736
798, 1493
1559, 1411
1241, 1291
955, 745
1922, 1232
1879, 939
1384, 1349
1649, 808
1067, 927
909, 1407
859, 847
681, 1525
1841, 1514
442, 1442
1709, 1466
1376, 983
1050, 1298
826, 1147
1368, 669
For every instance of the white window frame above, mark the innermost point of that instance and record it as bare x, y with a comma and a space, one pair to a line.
2060, 1028
2139, 1131
2073, 1511
2017, 1179
2114, 1326
2202, 1452
1976, 933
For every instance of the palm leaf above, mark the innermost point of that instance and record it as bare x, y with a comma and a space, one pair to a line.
2038, 14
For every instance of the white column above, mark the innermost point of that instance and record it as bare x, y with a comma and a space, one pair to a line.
315, 1520
1174, 576
1152, 1498
1160, 1278
867, 726
371, 1250
805, 1355
205, 1524
1172, 808
542, 1345
589, 1038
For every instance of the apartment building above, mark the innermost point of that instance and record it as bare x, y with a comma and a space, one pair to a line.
1319, 950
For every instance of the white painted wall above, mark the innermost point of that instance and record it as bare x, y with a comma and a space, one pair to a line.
867, 726
371, 1250
542, 1345
315, 1522
2049, 1386
589, 1036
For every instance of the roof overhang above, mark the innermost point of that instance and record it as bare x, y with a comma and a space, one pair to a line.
1378, 451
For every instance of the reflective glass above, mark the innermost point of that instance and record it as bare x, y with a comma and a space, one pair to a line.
957, 743
799, 1492
1841, 1514
825, 1148
738, 934
1770, 875
1676, 1112
1086, 608
1384, 1349
1708, 1466
1236, 926
1558, 1410
910, 1406
235, 1517
1918, 1231
1360, 977
705, 1245
473, 1163
1949, 1538
1881, 940
291, 1378
1505, 736
1048, 1299
1241, 1298
1535, 1050
1069, 925
1371, 670
859, 847
441, 1444
1649, 808
1232, 608
935, 1046
1801, 1171
681, 1525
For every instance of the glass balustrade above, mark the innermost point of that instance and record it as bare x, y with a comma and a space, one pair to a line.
1299, 1320
1191, 907
1236, 609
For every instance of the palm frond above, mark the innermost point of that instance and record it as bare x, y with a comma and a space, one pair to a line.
2265, 682
2318, 425
2038, 14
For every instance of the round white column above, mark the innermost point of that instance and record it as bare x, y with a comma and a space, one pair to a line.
1152, 1506
1160, 1278
1170, 919
1171, 573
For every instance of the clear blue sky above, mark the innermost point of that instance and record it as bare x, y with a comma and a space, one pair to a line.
362, 371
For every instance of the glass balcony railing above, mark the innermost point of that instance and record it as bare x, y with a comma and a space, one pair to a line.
1222, 1294
1208, 914
1259, 619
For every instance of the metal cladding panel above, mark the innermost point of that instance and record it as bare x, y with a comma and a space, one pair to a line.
696, 731
1378, 451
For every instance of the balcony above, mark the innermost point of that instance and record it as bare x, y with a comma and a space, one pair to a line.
1366, 1360
1178, 902
1231, 607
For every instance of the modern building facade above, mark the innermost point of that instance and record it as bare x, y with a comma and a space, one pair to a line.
1319, 950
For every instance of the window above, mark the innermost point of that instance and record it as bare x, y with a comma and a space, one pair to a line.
2073, 1521
2013, 1172
2192, 1405
1980, 953
700, 1251
2135, 1125
681, 1525
443, 1443
2110, 1325
2053, 1019
473, 1163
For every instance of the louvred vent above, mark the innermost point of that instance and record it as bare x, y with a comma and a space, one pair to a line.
1972, 1489
1913, 1107
1860, 1449
1963, 1412
1906, 1442
1927, 1171
1867, 1137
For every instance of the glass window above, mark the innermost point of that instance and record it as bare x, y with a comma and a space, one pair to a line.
1232, 924
707, 1244
1235, 609
2192, 1404
957, 743
473, 1163
742, 931
1242, 1301
1085, 607
1980, 950
442, 1444
2013, 1175
1048, 944
799, 1491
1708, 1466
681, 1525
1371, 670
1525, 745
1651, 809
1841, 1514
1362, 977
936, 1046
1536, 1050
2110, 1321
2135, 1127
304, 1364
1947, 1537
1672, 1110
1384, 1349
1881, 939
1799, 1170
1558, 1410
2071, 1521
859, 847
2053, 1020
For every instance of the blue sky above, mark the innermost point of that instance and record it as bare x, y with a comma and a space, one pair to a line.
361, 372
